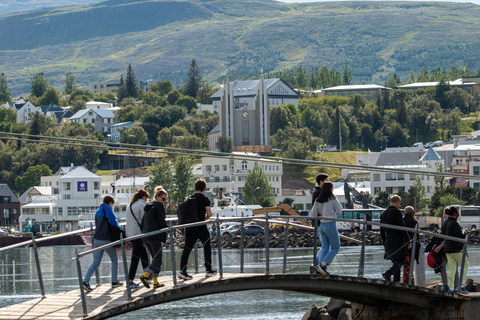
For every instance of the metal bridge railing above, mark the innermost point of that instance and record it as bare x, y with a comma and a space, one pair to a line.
266, 219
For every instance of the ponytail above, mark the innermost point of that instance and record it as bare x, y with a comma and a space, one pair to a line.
139, 195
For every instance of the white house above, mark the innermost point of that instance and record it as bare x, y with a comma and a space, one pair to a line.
114, 135
23, 109
100, 119
97, 105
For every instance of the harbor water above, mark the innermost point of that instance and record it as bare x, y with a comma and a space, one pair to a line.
18, 280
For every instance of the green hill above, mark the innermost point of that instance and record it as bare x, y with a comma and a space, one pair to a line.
159, 38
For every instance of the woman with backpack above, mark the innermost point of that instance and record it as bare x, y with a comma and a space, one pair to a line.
135, 212
154, 220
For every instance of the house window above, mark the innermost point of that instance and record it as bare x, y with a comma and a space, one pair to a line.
15, 211
96, 185
376, 190
278, 168
277, 178
476, 171
84, 120
401, 176
376, 177
389, 176
93, 120
389, 190
6, 200
244, 165
67, 186
476, 186
401, 189
66, 196
428, 189
208, 168
217, 167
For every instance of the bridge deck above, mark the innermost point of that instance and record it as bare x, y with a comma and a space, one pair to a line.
106, 301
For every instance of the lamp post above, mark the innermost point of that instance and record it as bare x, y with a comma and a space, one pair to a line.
254, 191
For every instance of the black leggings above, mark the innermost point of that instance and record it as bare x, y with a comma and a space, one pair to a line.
191, 236
138, 252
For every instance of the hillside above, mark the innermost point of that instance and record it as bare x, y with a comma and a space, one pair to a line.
159, 38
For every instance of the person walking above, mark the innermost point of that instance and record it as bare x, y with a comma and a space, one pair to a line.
328, 206
410, 222
201, 233
454, 249
394, 241
104, 220
134, 213
154, 220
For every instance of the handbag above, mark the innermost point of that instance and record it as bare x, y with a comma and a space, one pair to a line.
431, 259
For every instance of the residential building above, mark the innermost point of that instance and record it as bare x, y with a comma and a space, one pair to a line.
228, 175
469, 84
244, 108
114, 135
50, 110
97, 105
9, 206
31, 192
24, 110
369, 91
100, 119
110, 85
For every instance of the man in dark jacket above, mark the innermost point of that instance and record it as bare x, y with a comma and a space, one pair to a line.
154, 220
394, 241
321, 178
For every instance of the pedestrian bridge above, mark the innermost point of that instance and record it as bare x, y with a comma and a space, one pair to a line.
105, 301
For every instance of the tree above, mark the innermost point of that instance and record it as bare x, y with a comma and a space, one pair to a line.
447, 200
51, 96
122, 89
161, 175
280, 117
184, 178
194, 81
39, 84
205, 92
225, 144
162, 87
188, 141
31, 177
173, 96
131, 86
133, 135
288, 201
257, 189
347, 75
39, 124
4, 89
187, 102
442, 87
412, 77
382, 200
416, 196
8, 117
70, 85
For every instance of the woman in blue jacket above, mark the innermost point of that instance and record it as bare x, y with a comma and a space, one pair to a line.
104, 218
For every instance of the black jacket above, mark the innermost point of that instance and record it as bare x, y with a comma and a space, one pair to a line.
453, 229
410, 222
315, 194
394, 241
154, 219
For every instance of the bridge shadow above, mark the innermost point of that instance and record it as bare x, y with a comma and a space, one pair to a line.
371, 292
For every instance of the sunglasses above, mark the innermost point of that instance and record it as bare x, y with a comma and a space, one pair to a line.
164, 199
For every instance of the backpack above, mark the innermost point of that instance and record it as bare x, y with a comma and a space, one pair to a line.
188, 210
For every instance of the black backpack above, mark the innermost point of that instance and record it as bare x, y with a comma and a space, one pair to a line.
188, 210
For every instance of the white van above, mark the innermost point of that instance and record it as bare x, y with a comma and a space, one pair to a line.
418, 144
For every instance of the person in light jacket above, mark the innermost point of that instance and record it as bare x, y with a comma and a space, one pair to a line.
328, 206
134, 213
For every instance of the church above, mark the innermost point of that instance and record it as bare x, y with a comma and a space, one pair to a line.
244, 108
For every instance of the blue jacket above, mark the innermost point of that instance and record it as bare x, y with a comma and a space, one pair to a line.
102, 231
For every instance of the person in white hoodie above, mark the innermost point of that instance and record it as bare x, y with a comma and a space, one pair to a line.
327, 205
135, 211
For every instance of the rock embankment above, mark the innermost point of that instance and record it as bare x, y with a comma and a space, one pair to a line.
299, 238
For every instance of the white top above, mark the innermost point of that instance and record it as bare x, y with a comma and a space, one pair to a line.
132, 228
329, 209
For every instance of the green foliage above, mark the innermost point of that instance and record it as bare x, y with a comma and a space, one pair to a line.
31, 177
446, 200
161, 174
8, 117
133, 135
70, 85
205, 92
194, 80
51, 96
382, 199
39, 84
256, 184
288, 201
188, 141
281, 117
158, 118
173, 96
5, 92
131, 87
187, 102
39, 124
184, 178
225, 144
162, 87
416, 196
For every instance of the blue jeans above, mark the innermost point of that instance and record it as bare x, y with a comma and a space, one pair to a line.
328, 234
97, 259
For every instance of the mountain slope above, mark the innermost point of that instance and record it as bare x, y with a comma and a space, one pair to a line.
160, 38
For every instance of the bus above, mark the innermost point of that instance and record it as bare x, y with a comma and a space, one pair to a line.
469, 216
358, 214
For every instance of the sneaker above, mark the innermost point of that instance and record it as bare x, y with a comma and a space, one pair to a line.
144, 281
158, 285
116, 284
386, 275
150, 279
321, 269
134, 285
184, 275
211, 273
463, 290
86, 287
445, 288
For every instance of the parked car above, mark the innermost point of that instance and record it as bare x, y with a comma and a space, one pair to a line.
251, 230
3, 233
230, 230
223, 226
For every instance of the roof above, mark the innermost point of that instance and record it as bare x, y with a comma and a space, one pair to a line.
128, 181
357, 87
100, 112
215, 129
79, 172
248, 88
122, 124
458, 82
50, 108
41, 190
395, 159
431, 155
7, 192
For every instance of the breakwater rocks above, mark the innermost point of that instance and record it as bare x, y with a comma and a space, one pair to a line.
69, 240
299, 238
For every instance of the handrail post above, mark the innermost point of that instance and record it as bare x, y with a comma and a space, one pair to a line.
125, 269
267, 245
412, 254
219, 248
464, 256
80, 282
172, 253
361, 264
315, 242
39, 270
242, 245
195, 250
97, 273
285, 246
